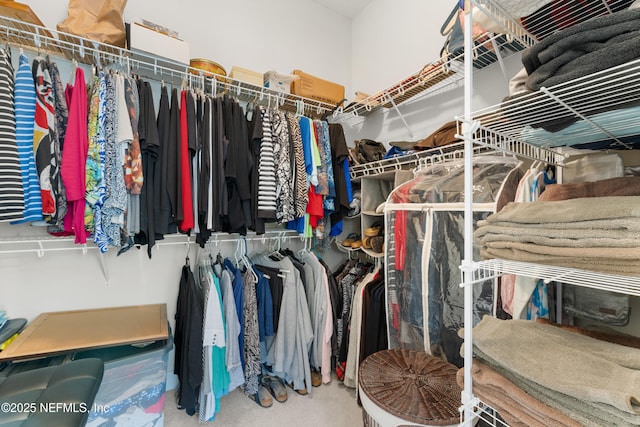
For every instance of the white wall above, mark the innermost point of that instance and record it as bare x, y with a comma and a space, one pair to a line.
393, 39
280, 35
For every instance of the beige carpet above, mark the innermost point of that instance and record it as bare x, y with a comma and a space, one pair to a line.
331, 404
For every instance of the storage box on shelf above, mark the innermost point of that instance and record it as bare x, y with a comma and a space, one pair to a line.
142, 38
314, 87
245, 75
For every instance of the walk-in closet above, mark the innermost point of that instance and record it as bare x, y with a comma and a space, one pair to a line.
311, 212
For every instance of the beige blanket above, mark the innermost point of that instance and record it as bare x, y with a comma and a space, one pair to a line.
565, 362
568, 211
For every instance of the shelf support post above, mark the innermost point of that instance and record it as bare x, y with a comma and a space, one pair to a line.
467, 262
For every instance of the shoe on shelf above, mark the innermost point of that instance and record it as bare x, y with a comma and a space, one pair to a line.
355, 206
357, 244
377, 244
350, 239
366, 242
374, 230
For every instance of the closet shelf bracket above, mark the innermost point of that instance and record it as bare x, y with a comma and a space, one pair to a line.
557, 99
399, 113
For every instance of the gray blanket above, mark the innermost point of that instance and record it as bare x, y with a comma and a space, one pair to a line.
586, 48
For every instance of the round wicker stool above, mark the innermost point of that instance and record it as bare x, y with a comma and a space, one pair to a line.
408, 388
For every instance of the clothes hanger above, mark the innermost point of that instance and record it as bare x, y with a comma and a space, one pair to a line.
187, 261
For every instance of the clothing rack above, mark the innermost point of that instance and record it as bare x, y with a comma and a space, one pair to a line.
45, 41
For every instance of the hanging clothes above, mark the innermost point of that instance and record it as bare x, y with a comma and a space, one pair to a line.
252, 362
266, 188
60, 103
320, 310
301, 189
74, 157
288, 351
161, 205
134, 174
233, 361
339, 158
171, 164
151, 150
205, 200
11, 189
285, 209
188, 341
46, 145
25, 109
215, 377
95, 184
187, 150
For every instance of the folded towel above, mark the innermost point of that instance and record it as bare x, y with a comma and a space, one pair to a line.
582, 238
562, 361
515, 406
569, 211
585, 253
623, 186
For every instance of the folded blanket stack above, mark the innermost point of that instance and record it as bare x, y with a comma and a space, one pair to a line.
560, 373
586, 48
599, 234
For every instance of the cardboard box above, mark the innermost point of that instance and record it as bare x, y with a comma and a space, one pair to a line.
144, 39
279, 82
316, 88
247, 76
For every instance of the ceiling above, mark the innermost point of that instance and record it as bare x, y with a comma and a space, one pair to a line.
348, 8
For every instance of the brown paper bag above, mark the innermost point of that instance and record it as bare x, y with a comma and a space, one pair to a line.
96, 20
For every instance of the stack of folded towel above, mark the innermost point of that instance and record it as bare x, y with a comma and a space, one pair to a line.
593, 233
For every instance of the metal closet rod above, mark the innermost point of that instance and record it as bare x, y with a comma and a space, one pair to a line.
89, 52
40, 244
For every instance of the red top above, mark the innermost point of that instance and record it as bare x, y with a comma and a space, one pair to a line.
185, 169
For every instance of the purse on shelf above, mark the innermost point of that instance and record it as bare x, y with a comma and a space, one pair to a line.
367, 150
101, 21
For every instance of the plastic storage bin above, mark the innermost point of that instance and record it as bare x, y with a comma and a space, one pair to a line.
133, 388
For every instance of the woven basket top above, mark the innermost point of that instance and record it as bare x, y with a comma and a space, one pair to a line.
412, 385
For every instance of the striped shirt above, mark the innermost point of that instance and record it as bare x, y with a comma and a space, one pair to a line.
25, 111
266, 171
11, 191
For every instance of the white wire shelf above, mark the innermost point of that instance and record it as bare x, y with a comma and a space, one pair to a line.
85, 51
438, 76
486, 270
409, 161
550, 18
481, 411
603, 104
